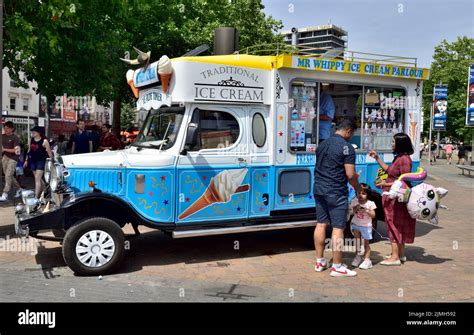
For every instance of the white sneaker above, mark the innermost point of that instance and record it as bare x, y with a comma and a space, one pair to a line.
18, 193
357, 260
4, 197
342, 271
366, 264
403, 259
321, 266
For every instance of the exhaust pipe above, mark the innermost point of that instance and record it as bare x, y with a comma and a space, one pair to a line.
226, 41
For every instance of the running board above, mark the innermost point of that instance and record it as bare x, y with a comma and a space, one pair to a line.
242, 229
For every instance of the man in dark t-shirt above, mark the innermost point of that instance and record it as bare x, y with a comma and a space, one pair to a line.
335, 166
81, 140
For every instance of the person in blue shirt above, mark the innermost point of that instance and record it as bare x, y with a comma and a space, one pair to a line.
335, 166
81, 140
327, 111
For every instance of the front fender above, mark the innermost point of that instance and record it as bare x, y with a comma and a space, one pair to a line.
89, 204
33, 223
82, 206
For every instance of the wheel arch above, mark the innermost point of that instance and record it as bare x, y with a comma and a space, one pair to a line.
98, 204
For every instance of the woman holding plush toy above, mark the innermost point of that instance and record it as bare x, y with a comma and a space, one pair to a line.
400, 225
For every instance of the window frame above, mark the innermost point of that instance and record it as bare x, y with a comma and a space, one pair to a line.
14, 103
27, 105
198, 109
319, 81
362, 112
318, 84
289, 171
264, 128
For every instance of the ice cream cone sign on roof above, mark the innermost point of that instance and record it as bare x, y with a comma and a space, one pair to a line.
142, 58
165, 71
130, 83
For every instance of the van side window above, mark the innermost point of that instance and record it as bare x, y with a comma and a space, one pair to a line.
217, 129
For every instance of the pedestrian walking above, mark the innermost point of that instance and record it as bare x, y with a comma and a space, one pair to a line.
461, 153
335, 166
433, 148
81, 140
39, 151
108, 141
448, 148
10, 155
20, 171
400, 225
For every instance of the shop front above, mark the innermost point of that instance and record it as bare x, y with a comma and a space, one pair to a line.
22, 125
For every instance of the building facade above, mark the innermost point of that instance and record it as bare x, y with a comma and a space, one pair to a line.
20, 105
319, 38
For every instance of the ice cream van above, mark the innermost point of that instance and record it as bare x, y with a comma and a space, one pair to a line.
228, 146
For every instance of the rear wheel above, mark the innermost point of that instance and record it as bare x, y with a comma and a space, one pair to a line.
94, 246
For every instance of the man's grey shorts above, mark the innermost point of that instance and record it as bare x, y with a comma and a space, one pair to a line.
332, 209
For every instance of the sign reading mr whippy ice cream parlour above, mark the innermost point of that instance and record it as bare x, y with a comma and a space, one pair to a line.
346, 66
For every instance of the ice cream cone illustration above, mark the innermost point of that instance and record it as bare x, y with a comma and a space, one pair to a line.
130, 83
220, 190
165, 70
413, 124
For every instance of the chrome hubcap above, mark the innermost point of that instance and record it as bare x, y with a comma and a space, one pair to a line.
95, 248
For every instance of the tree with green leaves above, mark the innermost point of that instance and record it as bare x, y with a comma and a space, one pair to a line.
75, 48
127, 117
450, 66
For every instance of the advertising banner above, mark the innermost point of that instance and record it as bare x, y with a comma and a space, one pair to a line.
470, 98
440, 107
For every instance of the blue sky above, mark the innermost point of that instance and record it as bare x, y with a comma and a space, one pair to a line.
378, 26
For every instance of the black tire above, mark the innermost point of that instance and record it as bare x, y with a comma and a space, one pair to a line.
77, 231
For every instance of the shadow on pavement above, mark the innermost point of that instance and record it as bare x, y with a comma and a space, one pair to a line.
419, 255
156, 248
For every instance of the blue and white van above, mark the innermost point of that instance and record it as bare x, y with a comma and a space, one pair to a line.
227, 146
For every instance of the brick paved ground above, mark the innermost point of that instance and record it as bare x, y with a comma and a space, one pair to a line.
268, 266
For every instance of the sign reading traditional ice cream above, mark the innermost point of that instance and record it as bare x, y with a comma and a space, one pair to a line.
229, 84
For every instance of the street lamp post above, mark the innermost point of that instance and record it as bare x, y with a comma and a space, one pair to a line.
1, 79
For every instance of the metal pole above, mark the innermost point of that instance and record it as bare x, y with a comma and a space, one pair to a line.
429, 140
1, 79
437, 142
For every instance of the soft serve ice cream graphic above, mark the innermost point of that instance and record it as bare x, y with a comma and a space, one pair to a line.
220, 190
164, 72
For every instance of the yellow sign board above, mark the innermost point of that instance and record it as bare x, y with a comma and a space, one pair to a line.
353, 67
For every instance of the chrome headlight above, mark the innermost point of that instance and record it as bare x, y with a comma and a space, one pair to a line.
47, 170
56, 177
31, 205
26, 194
58, 173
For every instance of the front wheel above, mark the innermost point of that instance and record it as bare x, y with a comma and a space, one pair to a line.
94, 246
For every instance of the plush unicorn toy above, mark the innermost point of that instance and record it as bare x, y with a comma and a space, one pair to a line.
423, 200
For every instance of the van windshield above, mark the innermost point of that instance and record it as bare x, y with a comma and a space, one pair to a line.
160, 128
